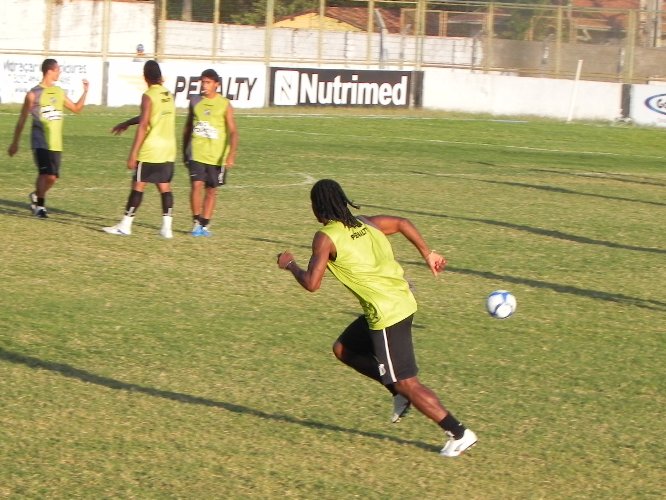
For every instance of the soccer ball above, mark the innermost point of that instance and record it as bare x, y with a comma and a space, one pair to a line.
501, 304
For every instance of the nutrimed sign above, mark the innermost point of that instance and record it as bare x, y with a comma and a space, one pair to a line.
341, 87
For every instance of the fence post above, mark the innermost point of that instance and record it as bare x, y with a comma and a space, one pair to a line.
48, 27
160, 24
631, 47
558, 41
490, 33
216, 30
371, 29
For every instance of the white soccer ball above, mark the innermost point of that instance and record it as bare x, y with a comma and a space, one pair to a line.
501, 304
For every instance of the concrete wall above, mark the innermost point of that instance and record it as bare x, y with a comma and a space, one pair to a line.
457, 90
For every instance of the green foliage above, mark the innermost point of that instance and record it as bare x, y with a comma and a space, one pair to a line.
134, 367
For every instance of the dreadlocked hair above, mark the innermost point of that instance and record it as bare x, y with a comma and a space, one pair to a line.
329, 202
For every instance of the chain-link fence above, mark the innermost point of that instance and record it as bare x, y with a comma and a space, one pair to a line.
545, 39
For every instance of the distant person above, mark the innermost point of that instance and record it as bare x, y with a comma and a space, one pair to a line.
210, 142
46, 103
377, 344
153, 151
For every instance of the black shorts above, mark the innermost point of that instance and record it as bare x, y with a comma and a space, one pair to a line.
155, 173
48, 162
213, 176
392, 347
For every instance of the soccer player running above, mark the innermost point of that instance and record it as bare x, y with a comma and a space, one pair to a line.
210, 141
153, 151
46, 103
378, 344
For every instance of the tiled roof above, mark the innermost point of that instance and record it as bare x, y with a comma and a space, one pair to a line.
356, 17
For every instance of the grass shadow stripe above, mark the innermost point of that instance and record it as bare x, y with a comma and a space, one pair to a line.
85, 376
567, 289
550, 233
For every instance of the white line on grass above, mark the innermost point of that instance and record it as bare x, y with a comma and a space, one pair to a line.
465, 143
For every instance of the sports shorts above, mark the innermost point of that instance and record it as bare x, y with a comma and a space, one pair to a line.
392, 347
155, 173
212, 175
48, 162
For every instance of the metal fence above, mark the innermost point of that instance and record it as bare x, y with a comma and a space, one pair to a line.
536, 40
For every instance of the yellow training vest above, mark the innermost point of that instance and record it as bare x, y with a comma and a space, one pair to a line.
159, 146
209, 129
366, 266
47, 115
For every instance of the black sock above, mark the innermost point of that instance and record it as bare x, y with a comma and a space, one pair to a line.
195, 219
133, 202
204, 222
41, 201
451, 425
167, 203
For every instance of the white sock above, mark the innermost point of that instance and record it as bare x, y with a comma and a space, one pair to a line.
166, 222
126, 222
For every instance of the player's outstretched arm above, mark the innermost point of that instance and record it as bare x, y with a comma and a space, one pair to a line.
310, 278
122, 126
390, 225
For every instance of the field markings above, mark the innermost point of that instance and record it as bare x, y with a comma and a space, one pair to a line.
462, 143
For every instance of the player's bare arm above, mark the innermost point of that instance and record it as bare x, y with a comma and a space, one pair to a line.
122, 126
310, 278
20, 124
232, 132
76, 107
187, 132
391, 225
141, 131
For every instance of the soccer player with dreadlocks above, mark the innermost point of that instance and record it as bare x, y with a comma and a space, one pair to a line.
377, 344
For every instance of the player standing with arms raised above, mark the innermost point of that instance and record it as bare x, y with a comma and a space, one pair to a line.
210, 141
46, 103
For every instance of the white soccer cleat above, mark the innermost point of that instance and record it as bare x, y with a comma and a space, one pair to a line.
117, 230
454, 447
401, 407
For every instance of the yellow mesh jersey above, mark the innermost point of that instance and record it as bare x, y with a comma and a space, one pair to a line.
366, 266
159, 146
47, 114
209, 130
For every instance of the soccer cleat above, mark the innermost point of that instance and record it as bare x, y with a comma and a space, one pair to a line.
166, 233
117, 230
197, 230
205, 232
401, 406
454, 447
33, 202
40, 213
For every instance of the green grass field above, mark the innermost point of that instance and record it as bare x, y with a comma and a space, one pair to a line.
194, 368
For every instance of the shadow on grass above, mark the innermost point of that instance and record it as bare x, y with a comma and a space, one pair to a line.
619, 298
534, 230
93, 223
92, 378
546, 188
631, 179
